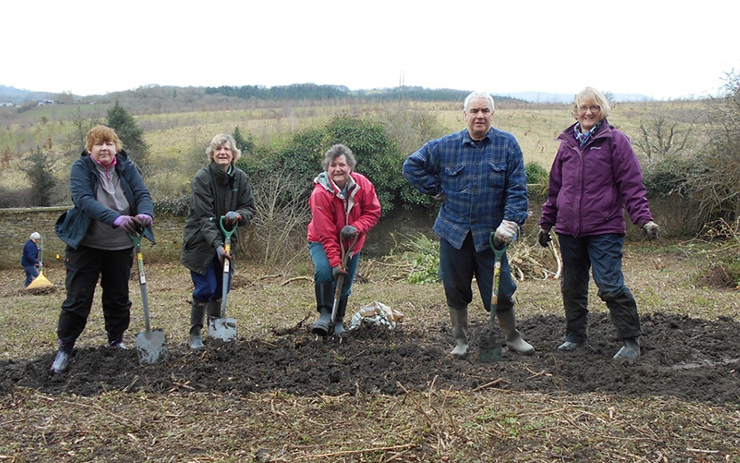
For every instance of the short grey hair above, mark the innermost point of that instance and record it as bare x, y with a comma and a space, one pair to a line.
476, 95
339, 150
222, 139
35, 236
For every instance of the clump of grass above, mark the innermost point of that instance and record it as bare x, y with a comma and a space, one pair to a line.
417, 257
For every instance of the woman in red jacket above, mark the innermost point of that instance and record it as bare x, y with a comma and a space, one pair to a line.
344, 207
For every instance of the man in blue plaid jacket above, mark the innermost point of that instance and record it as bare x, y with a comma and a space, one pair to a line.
478, 176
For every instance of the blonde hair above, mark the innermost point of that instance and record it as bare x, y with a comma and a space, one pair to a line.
220, 140
102, 134
590, 94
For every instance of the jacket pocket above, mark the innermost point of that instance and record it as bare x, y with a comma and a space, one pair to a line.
497, 175
453, 178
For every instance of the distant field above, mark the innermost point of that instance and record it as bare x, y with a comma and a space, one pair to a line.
178, 138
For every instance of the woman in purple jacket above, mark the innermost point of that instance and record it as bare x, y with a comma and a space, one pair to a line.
595, 175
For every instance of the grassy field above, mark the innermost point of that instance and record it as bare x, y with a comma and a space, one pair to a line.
546, 408
178, 137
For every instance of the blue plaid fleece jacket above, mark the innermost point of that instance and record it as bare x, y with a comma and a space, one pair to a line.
483, 184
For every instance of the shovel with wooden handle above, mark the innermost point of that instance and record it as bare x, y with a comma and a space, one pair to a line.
489, 349
223, 328
347, 253
151, 345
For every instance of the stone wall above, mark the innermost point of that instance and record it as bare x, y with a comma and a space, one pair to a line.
676, 216
19, 223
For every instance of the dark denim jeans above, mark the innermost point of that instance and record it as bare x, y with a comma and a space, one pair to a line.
322, 272
601, 254
458, 266
209, 287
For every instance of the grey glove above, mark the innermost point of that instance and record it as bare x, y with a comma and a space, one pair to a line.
222, 254
543, 237
232, 218
439, 198
505, 233
338, 270
652, 230
348, 232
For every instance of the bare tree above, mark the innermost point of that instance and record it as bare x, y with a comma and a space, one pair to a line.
280, 222
661, 137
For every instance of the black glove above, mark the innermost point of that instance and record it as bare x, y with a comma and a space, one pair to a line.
543, 237
338, 270
348, 232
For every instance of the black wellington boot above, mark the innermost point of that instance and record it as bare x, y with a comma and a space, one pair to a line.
61, 361
324, 303
339, 322
196, 325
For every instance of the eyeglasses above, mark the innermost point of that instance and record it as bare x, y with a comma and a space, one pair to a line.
594, 109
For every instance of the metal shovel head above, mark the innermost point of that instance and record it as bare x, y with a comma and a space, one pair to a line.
223, 329
490, 350
151, 346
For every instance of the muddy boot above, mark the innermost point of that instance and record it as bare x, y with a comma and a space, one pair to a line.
61, 361
196, 325
324, 303
629, 352
116, 341
339, 322
514, 340
569, 346
459, 318
213, 309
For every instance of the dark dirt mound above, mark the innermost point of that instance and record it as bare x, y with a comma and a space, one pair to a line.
688, 358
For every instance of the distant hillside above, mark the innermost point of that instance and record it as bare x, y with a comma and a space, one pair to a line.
18, 96
316, 92
334, 92
545, 97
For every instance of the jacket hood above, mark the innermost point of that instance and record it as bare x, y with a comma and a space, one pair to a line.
324, 180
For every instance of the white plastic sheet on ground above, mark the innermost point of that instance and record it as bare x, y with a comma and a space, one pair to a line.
376, 313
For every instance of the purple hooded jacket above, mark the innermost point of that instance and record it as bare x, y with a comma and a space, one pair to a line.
590, 186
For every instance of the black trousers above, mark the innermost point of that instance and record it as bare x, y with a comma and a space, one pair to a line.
84, 266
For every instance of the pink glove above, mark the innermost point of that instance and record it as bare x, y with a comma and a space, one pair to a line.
126, 222
145, 219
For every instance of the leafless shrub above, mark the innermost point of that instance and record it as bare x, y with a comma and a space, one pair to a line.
279, 226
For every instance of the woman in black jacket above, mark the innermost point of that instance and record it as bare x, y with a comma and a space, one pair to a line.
219, 189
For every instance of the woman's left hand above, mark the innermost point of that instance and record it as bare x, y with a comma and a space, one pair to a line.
145, 219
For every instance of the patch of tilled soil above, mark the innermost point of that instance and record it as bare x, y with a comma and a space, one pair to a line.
688, 358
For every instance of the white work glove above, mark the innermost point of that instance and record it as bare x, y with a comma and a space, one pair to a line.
652, 230
505, 233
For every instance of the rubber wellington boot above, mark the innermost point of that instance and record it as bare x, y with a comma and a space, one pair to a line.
629, 352
213, 309
116, 341
339, 322
324, 303
61, 361
459, 318
196, 325
514, 340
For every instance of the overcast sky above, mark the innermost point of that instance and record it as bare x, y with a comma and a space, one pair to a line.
661, 49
